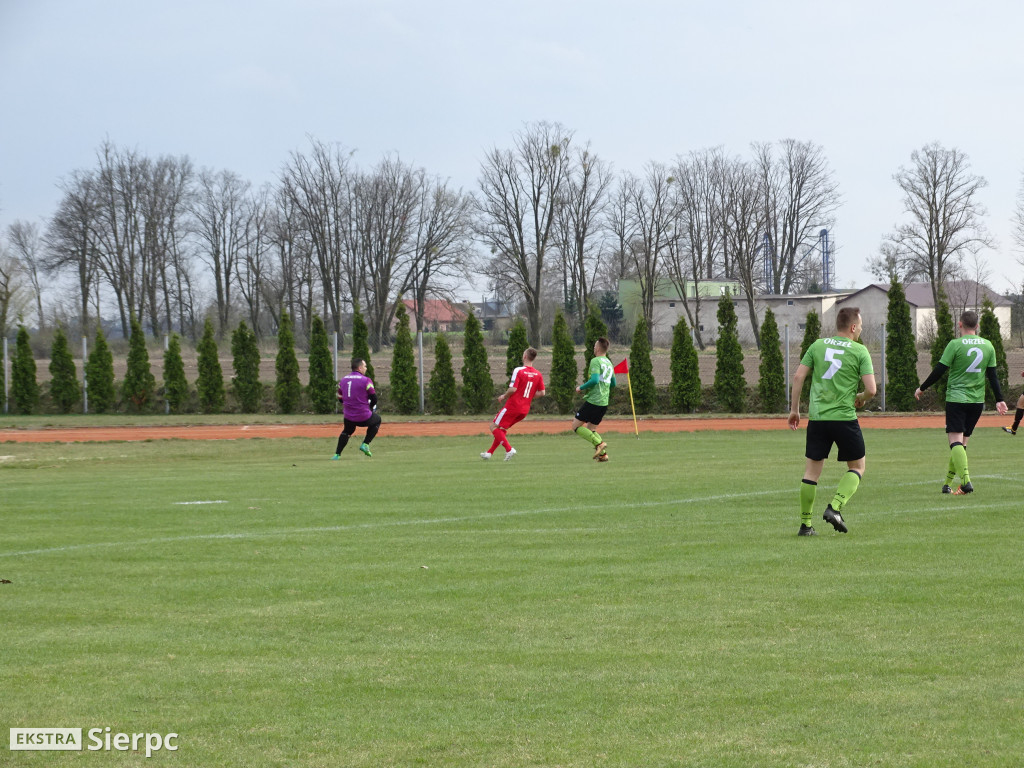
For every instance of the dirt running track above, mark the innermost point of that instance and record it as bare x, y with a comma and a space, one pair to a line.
444, 428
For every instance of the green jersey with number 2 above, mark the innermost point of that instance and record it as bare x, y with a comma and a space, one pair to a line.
837, 365
598, 394
967, 357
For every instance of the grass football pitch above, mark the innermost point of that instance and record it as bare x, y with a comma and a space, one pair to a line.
427, 608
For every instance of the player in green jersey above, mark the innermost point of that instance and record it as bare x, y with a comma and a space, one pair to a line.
598, 389
970, 360
837, 367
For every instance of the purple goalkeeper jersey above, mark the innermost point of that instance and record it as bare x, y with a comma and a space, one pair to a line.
353, 391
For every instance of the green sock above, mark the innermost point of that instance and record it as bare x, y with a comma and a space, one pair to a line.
950, 470
848, 485
591, 437
959, 457
808, 491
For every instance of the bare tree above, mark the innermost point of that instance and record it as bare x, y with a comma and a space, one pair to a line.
618, 265
120, 181
71, 237
800, 197
442, 243
651, 205
578, 226
1018, 220
696, 254
164, 209
383, 213
28, 247
318, 188
15, 293
744, 219
946, 218
222, 212
253, 264
520, 193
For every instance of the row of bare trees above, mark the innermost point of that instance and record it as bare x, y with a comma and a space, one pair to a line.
155, 238
550, 224
552, 213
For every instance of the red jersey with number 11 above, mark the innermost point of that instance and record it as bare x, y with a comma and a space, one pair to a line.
527, 382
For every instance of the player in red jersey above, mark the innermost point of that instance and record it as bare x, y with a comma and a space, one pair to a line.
526, 384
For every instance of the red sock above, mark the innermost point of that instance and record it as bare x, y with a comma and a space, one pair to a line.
500, 439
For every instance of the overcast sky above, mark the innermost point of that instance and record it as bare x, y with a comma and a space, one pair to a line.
240, 85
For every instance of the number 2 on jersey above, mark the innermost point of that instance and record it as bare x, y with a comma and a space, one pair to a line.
977, 354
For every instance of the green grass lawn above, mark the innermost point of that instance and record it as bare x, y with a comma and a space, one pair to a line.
426, 608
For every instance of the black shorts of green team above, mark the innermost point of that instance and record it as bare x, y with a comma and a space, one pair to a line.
590, 413
821, 435
963, 417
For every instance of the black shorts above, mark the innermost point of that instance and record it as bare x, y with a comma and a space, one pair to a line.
845, 434
963, 417
590, 413
350, 426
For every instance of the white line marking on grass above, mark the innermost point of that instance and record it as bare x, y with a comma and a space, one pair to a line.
186, 503
381, 524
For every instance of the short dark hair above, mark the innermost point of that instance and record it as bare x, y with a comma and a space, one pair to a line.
530, 354
846, 317
356, 362
603, 343
969, 319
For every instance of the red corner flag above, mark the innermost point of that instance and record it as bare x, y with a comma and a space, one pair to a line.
622, 367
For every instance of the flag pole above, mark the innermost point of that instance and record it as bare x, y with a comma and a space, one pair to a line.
629, 382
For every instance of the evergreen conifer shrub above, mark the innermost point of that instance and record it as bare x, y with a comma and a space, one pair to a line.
989, 329
99, 375
176, 388
64, 388
322, 389
812, 332
405, 391
139, 383
564, 374
685, 388
477, 384
287, 389
641, 371
730, 383
771, 384
210, 384
517, 344
945, 332
24, 388
361, 340
442, 394
900, 353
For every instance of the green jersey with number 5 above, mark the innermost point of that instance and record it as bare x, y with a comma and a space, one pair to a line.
837, 365
967, 358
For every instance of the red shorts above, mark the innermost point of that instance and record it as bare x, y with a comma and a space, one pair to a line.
506, 419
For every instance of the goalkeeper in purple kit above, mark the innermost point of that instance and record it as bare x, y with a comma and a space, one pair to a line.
359, 404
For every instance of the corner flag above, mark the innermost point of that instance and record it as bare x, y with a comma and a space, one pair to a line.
623, 367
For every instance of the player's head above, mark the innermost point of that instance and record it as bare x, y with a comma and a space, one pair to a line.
848, 321
969, 321
601, 346
358, 364
529, 355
